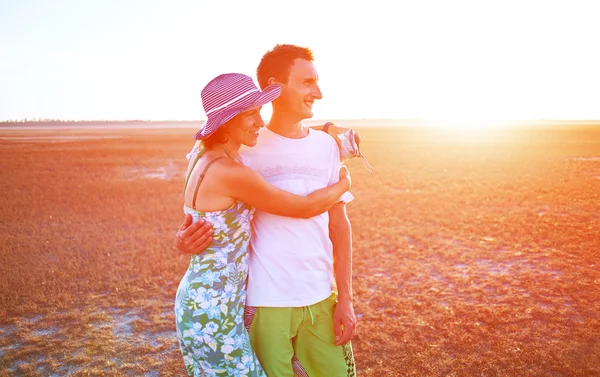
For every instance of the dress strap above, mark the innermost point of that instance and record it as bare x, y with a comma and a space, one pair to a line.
201, 177
190, 169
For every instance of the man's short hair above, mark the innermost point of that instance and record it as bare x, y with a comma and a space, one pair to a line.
278, 61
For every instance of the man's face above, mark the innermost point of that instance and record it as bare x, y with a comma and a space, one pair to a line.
301, 91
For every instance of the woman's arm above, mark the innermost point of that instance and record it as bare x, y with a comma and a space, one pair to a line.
333, 131
245, 184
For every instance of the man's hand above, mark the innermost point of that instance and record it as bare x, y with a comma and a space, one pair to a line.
193, 238
334, 131
344, 322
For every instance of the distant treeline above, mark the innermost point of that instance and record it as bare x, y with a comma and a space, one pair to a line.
341, 122
56, 122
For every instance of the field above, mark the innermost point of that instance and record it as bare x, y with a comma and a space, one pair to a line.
475, 254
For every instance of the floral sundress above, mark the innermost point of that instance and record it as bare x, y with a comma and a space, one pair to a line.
209, 305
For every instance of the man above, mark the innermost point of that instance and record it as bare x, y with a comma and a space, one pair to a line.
296, 316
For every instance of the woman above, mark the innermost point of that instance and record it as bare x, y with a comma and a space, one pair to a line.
210, 299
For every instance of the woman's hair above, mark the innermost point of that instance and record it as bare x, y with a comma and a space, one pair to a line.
220, 136
277, 63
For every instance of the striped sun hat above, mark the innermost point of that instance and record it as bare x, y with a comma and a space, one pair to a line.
229, 94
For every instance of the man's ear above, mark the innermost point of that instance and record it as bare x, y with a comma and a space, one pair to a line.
272, 81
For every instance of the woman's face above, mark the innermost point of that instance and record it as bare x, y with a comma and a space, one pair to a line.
243, 128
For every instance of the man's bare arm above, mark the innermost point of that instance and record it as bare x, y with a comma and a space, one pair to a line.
193, 238
340, 233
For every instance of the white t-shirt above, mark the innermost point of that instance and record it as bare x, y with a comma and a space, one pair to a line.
291, 260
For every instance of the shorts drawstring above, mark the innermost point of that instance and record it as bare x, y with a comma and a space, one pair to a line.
312, 319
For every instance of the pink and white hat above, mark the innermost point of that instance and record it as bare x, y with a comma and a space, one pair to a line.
229, 94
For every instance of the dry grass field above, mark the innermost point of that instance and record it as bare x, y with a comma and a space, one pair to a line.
474, 254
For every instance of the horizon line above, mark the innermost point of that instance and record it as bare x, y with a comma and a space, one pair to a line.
29, 121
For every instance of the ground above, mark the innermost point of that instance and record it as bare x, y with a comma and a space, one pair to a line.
475, 253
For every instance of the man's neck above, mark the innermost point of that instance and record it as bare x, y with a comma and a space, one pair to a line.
287, 126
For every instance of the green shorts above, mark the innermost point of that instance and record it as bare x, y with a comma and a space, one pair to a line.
299, 341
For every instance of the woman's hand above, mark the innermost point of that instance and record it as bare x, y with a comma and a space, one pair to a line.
345, 175
334, 131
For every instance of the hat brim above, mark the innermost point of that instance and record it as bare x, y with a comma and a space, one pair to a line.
216, 120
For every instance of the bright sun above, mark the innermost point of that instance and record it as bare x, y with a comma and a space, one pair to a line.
469, 123
471, 129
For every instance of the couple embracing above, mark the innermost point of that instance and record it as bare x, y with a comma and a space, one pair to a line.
269, 288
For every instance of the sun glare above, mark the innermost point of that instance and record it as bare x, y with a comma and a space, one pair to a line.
470, 129
469, 123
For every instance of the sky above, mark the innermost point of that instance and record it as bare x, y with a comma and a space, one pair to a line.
459, 61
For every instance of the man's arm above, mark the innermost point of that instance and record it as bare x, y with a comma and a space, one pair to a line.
193, 238
340, 233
